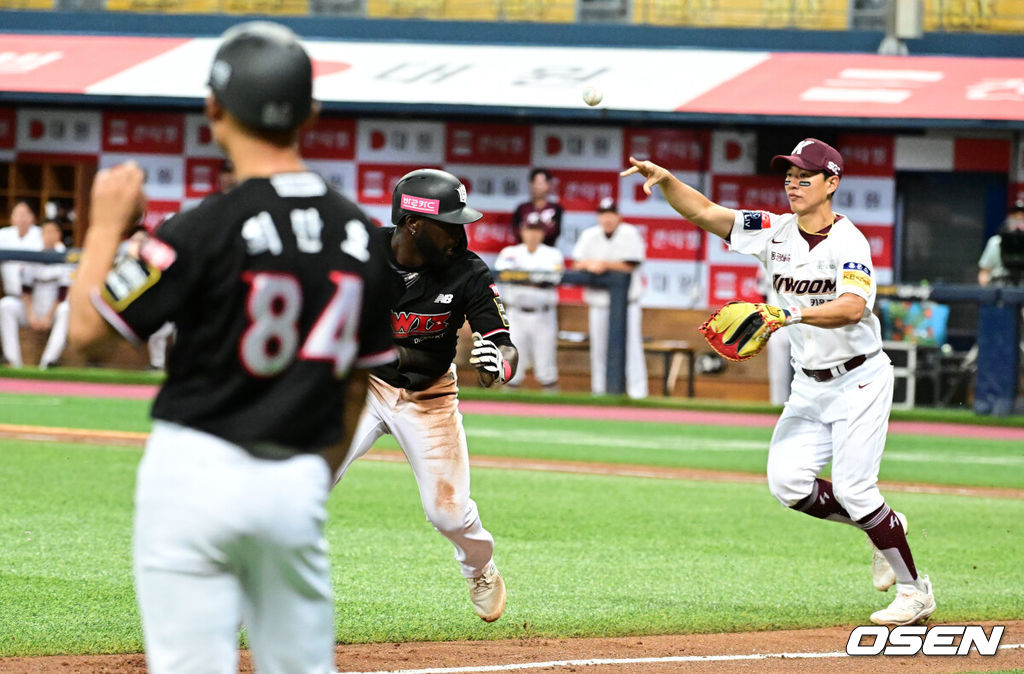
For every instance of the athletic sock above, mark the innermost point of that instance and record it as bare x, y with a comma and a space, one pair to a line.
885, 531
822, 504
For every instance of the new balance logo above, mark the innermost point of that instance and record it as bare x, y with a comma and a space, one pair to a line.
443, 298
914, 639
822, 499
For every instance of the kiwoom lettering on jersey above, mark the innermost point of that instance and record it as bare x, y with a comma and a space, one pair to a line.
818, 286
405, 323
914, 639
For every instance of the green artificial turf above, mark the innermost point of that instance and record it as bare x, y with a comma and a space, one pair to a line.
908, 457
582, 556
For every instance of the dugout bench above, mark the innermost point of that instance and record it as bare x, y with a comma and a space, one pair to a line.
673, 352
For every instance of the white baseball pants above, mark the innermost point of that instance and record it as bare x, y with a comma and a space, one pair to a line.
222, 537
844, 420
780, 367
535, 334
12, 317
428, 427
636, 364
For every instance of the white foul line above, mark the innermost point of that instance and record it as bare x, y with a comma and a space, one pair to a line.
617, 661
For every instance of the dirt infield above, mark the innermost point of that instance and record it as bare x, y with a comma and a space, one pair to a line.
135, 439
814, 650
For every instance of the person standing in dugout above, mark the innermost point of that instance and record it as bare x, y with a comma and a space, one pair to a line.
540, 209
533, 308
439, 285
276, 295
820, 267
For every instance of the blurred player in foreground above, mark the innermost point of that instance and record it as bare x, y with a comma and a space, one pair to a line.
820, 267
275, 294
439, 285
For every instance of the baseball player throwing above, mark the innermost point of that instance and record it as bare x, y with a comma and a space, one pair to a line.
440, 285
820, 266
274, 290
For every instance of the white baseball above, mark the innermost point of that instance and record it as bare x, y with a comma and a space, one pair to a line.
592, 95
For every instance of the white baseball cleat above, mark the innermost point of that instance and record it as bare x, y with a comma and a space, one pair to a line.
881, 571
908, 607
487, 592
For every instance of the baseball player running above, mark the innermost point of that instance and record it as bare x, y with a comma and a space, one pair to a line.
440, 285
275, 294
820, 266
533, 309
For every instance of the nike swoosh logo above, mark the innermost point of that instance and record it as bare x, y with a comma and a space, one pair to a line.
774, 241
863, 385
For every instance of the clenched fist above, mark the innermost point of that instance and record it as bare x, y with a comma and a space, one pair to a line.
118, 198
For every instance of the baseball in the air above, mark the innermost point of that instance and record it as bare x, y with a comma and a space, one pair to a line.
592, 96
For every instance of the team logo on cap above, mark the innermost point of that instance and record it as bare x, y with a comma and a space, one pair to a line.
801, 145
834, 168
220, 73
462, 193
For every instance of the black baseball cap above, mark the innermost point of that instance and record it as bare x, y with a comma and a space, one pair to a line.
1016, 207
811, 154
607, 205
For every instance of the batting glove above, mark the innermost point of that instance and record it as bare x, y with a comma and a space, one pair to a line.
486, 357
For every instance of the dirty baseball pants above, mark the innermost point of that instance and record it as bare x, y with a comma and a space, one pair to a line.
12, 316
222, 537
844, 420
428, 427
535, 334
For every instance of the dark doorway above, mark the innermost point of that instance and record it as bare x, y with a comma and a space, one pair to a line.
944, 222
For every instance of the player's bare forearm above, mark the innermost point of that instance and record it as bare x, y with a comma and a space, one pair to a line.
117, 201
686, 201
87, 331
846, 309
355, 401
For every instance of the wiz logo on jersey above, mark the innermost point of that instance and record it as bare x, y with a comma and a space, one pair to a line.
407, 323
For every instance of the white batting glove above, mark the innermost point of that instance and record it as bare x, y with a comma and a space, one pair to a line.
486, 357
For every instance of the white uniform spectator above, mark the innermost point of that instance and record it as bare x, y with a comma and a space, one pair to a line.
533, 309
613, 245
23, 234
42, 305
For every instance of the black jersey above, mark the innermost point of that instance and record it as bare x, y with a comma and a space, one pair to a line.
274, 289
431, 306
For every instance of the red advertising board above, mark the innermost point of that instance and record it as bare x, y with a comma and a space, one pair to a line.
376, 182
491, 233
674, 239
584, 190
880, 239
752, 193
732, 282
8, 127
145, 132
866, 155
674, 149
503, 144
330, 139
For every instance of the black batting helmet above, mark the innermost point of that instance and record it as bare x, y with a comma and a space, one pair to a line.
263, 76
434, 194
